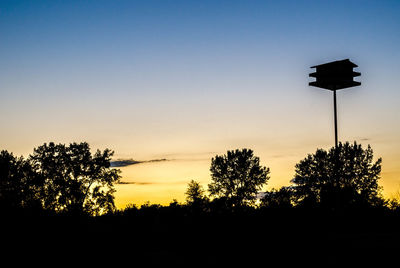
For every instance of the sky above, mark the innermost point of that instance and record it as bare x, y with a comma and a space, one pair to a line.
183, 81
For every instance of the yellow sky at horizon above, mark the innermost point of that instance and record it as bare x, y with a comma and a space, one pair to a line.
161, 182
281, 135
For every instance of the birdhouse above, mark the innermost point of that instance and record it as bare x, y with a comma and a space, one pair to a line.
335, 75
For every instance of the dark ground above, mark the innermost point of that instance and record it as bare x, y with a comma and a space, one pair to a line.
268, 238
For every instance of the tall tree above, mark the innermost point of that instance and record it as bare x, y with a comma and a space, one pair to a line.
237, 176
74, 180
344, 176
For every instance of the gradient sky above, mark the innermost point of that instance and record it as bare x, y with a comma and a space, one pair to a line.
186, 80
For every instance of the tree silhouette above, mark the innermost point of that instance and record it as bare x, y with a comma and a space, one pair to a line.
73, 180
237, 177
345, 176
194, 193
196, 199
13, 185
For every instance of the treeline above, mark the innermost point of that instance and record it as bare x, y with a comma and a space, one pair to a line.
345, 177
71, 180
333, 208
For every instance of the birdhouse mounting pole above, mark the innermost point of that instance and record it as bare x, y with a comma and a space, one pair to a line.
335, 111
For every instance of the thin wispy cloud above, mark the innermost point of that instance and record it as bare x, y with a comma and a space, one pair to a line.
197, 156
129, 162
135, 182
152, 182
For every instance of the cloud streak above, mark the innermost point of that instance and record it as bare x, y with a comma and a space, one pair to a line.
129, 162
151, 182
135, 182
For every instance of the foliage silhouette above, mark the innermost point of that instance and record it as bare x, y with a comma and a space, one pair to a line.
194, 192
73, 180
16, 177
196, 198
278, 198
343, 177
237, 177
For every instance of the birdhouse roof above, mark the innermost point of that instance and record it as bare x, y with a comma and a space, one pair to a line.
345, 62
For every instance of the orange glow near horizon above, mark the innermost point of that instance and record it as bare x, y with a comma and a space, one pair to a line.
162, 182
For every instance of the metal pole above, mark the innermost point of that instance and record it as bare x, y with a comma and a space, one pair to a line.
335, 110
335, 170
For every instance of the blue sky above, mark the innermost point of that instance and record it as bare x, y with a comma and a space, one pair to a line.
112, 41
156, 78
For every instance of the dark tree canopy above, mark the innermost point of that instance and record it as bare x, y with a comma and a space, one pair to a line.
194, 193
278, 198
74, 180
10, 180
345, 176
237, 176
15, 175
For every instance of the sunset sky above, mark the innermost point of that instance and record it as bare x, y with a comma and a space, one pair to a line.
183, 81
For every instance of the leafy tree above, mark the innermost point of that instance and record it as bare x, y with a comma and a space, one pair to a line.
196, 199
194, 193
344, 176
74, 180
237, 177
